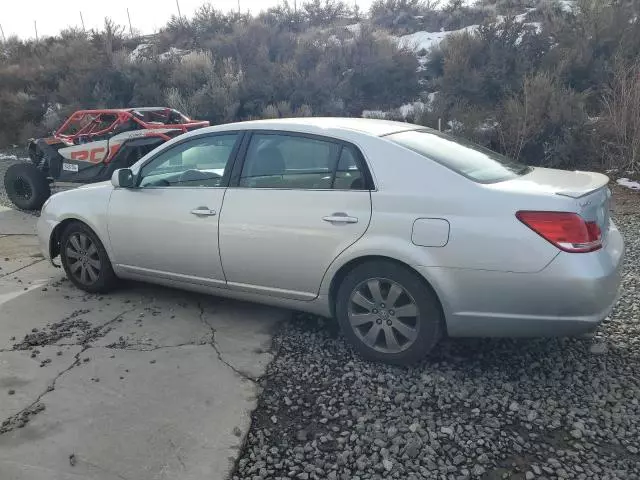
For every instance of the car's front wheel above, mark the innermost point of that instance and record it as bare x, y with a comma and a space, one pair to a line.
85, 259
388, 313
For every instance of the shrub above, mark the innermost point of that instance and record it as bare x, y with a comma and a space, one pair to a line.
540, 124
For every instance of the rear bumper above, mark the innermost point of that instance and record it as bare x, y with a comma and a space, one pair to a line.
572, 295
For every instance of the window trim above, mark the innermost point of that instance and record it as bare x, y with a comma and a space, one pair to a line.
359, 158
233, 157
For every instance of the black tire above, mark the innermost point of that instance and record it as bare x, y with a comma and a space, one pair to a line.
85, 259
426, 326
26, 186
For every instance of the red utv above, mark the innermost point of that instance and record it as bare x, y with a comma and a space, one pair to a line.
89, 146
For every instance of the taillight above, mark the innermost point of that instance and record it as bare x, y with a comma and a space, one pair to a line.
567, 231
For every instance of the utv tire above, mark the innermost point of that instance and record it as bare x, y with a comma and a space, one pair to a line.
85, 260
35, 155
389, 313
26, 186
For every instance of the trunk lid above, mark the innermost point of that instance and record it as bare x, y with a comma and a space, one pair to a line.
588, 189
574, 184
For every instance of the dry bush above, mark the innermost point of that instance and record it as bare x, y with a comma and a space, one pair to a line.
622, 118
540, 125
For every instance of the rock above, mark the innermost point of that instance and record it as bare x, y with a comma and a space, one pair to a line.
529, 475
598, 349
413, 448
575, 433
478, 470
301, 436
446, 431
388, 464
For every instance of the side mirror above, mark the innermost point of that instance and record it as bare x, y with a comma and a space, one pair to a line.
123, 178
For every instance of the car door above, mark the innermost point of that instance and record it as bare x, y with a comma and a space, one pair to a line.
295, 204
168, 225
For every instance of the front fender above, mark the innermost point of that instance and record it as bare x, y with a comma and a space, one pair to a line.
87, 204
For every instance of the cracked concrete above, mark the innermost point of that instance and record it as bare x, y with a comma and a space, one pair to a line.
144, 383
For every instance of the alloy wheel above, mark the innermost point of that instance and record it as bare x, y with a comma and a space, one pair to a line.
384, 315
83, 258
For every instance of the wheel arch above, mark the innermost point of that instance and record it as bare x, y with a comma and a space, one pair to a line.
344, 270
56, 234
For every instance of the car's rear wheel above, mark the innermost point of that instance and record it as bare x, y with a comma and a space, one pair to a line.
26, 186
388, 312
85, 259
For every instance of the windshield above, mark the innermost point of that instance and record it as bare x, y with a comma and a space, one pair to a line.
462, 156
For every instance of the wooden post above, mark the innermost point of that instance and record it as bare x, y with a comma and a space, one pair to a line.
130, 28
439, 124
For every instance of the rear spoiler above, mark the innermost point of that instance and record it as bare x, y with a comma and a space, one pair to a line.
598, 181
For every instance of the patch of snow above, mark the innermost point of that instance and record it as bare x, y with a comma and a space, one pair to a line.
625, 182
567, 5
140, 51
455, 125
426, 40
374, 114
412, 108
536, 25
8, 157
354, 28
173, 53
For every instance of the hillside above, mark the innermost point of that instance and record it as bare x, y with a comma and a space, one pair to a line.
550, 82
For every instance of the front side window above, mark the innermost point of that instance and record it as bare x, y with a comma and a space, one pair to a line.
200, 162
296, 162
462, 156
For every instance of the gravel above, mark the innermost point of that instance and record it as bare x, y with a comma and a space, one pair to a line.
480, 408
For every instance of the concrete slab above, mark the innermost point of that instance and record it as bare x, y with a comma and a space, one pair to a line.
152, 383
15, 222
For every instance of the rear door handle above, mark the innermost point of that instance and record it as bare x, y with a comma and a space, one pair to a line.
203, 211
340, 217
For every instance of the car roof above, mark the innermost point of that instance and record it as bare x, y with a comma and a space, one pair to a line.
320, 125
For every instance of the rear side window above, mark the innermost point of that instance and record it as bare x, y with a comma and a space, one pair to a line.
462, 156
295, 162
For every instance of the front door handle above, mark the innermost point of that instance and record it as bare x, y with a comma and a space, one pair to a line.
340, 217
203, 211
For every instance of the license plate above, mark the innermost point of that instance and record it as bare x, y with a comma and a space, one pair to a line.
70, 167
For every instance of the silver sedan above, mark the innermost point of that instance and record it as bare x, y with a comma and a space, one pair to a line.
402, 233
